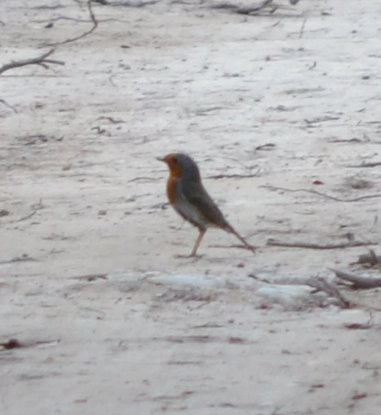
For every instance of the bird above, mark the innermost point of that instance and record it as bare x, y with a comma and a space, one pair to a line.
191, 201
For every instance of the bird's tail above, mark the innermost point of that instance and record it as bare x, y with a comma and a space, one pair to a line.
230, 229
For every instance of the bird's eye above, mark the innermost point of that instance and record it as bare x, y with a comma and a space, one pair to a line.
174, 160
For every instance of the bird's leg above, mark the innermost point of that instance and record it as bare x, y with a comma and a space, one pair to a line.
198, 241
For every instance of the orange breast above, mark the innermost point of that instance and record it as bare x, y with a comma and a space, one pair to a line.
171, 189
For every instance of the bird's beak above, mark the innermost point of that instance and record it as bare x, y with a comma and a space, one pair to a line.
160, 159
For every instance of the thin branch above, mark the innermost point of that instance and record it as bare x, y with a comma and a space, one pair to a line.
144, 179
302, 28
252, 248
315, 192
188, 2
232, 176
350, 140
135, 3
74, 19
28, 216
56, 19
356, 280
22, 258
246, 10
374, 164
88, 32
47, 7
40, 60
307, 245
111, 119
8, 105
331, 289
319, 283
256, 278
267, 146
35, 208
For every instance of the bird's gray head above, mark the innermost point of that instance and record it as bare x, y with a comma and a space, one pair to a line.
183, 166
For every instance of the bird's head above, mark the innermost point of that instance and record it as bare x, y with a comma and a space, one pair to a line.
181, 165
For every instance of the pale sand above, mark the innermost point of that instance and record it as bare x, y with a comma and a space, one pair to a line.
160, 334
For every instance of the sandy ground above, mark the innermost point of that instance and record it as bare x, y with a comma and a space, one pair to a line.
112, 322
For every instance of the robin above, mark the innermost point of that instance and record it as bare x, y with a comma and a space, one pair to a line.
189, 198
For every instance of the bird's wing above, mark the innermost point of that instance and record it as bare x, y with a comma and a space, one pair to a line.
196, 194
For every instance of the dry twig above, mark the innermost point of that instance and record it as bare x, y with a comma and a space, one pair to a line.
111, 119
307, 245
302, 28
35, 208
251, 248
319, 283
374, 164
357, 281
137, 4
144, 179
40, 60
315, 192
88, 32
38, 206
232, 176
256, 278
22, 258
329, 288
8, 105
124, 3
246, 10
